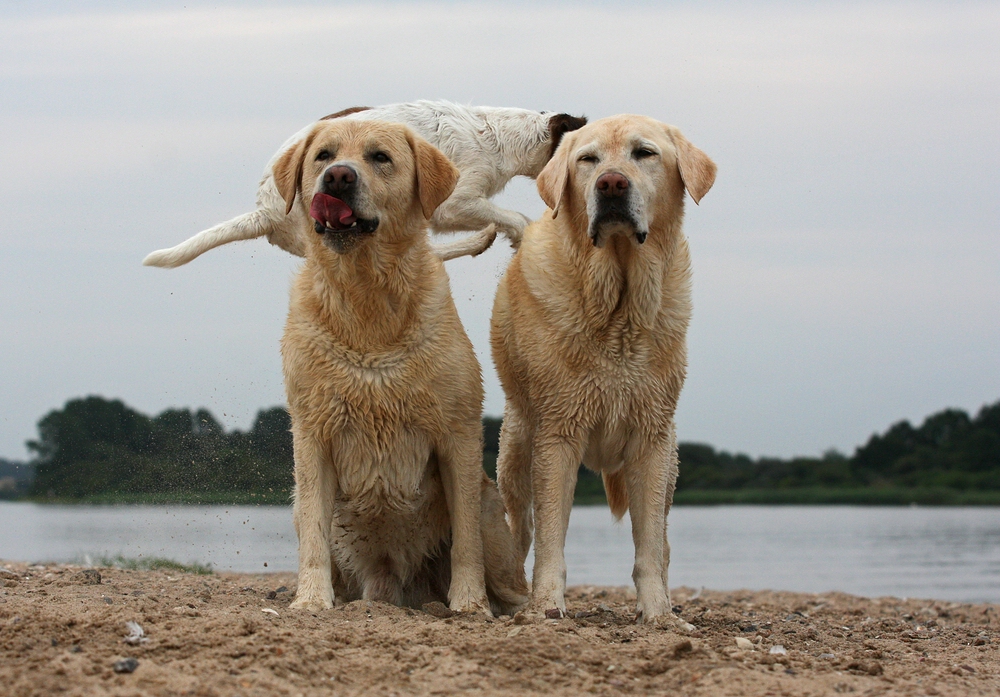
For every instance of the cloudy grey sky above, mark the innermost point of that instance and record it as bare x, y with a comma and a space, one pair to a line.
847, 261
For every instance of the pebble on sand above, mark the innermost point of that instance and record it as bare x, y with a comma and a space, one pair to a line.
126, 665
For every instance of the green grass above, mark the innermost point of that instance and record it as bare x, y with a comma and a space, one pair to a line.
152, 564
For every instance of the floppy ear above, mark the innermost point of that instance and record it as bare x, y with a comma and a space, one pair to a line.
287, 171
436, 175
554, 178
560, 125
697, 169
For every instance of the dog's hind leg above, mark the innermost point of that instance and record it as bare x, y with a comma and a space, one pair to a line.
514, 477
381, 583
506, 584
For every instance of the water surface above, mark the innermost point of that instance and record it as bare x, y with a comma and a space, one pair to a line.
945, 553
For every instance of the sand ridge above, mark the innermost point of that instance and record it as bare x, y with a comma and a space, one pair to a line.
63, 630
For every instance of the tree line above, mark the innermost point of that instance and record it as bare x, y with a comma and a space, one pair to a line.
95, 448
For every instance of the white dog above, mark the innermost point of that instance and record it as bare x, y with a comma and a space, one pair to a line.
489, 146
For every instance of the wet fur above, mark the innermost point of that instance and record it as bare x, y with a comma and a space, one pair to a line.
385, 395
588, 337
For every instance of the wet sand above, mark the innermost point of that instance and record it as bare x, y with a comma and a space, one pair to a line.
63, 631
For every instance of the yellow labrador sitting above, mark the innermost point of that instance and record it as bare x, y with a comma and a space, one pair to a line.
588, 336
384, 390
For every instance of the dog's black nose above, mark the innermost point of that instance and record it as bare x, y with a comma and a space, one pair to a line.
339, 179
612, 184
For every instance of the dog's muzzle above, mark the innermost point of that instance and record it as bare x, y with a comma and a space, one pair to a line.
614, 211
333, 213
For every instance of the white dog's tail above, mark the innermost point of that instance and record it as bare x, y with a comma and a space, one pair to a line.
473, 245
248, 226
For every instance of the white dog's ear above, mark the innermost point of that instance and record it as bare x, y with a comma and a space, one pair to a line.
436, 175
287, 171
697, 169
554, 177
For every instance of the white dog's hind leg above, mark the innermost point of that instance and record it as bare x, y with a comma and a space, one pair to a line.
248, 226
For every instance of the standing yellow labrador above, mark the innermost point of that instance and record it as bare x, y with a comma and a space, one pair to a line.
588, 336
384, 390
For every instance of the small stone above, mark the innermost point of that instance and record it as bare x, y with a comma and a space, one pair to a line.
603, 608
136, 634
9, 576
438, 609
553, 614
826, 656
271, 595
282, 589
514, 632
126, 665
778, 650
87, 577
744, 644
981, 641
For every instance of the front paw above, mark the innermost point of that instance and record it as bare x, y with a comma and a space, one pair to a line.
480, 606
651, 608
312, 602
468, 600
669, 621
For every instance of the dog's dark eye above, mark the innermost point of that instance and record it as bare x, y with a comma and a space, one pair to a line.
588, 158
323, 155
642, 153
381, 158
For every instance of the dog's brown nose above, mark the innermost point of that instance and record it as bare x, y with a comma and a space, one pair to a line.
612, 184
339, 178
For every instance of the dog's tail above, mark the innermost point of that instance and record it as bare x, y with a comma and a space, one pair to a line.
473, 245
248, 226
614, 488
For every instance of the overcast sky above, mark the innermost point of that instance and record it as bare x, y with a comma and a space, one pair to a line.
846, 263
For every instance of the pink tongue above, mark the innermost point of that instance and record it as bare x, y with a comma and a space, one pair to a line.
331, 212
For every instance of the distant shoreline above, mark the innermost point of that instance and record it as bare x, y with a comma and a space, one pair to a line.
887, 496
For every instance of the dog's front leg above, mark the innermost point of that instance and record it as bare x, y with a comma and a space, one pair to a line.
555, 463
315, 491
647, 480
460, 462
467, 209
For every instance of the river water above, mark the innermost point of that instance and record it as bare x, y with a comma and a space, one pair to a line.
942, 553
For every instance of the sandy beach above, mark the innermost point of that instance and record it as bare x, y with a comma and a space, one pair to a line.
64, 630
